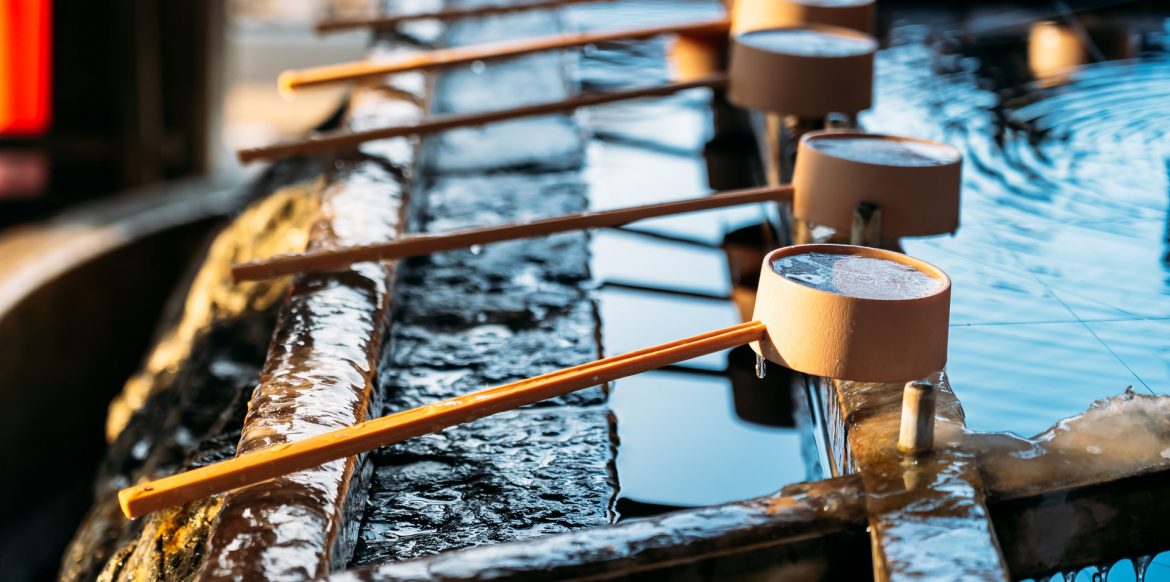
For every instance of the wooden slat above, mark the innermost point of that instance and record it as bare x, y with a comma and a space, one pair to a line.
928, 517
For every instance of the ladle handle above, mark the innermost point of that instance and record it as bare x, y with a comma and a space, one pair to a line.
337, 140
341, 258
283, 459
335, 25
297, 79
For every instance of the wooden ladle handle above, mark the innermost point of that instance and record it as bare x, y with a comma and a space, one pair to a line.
283, 459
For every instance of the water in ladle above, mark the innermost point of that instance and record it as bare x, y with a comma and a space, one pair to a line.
856, 276
808, 42
886, 152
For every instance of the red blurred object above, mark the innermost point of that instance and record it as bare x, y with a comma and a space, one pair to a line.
25, 67
23, 173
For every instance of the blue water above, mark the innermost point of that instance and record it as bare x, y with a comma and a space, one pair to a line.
1061, 283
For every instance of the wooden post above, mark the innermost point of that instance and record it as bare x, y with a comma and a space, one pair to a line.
773, 149
917, 432
782, 134
867, 225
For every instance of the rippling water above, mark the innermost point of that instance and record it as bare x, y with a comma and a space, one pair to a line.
1061, 279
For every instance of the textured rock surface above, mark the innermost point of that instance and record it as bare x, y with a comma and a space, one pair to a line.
470, 319
318, 376
186, 407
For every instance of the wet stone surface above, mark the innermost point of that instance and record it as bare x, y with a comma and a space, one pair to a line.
190, 415
471, 319
515, 476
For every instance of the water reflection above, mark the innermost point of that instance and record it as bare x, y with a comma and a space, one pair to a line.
682, 443
708, 431
1059, 269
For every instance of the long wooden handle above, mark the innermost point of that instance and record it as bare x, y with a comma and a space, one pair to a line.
297, 79
328, 26
412, 246
333, 141
283, 459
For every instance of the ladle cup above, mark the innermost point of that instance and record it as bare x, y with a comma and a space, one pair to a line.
903, 186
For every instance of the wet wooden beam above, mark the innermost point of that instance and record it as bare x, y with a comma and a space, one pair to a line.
928, 515
809, 531
814, 531
1068, 528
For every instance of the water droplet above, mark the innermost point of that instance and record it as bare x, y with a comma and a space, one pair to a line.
148, 488
477, 67
761, 367
476, 249
1140, 566
1101, 574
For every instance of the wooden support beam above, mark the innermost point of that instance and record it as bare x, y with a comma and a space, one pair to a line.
937, 497
815, 531
807, 531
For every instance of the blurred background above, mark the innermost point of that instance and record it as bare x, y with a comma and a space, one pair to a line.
96, 98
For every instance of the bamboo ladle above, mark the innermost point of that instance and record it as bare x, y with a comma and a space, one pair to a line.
341, 258
785, 79
877, 187
846, 325
913, 183
745, 15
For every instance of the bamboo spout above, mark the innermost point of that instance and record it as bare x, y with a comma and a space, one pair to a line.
916, 435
